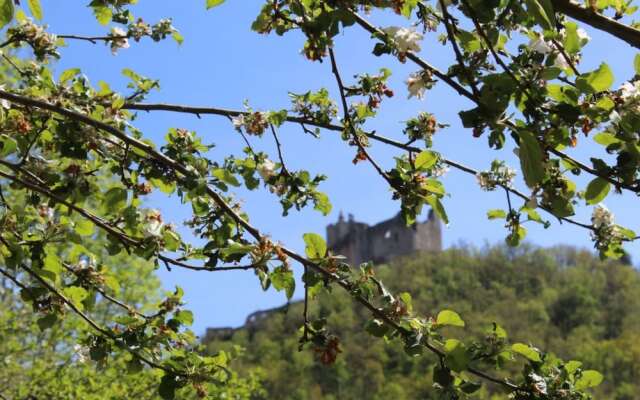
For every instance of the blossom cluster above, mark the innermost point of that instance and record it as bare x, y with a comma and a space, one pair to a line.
404, 39
42, 43
424, 126
418, 83
499, 175
254, 123
119, 38
606, 232
560, 58
267, 170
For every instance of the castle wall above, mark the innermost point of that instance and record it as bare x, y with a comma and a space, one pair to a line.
390, 239
428, 235
384, 241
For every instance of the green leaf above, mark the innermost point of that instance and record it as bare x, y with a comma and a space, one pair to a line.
434, 186
322, 203
572, 366
531, 160
214, 3
448, 317
168, 386
76, 295
526, 351
636, 64
47, 321
115, 199
572, 43
588, 379
185, 317
315, 246
596, 81
84, 227
376, 328
425, 160
103, 14
7, 145
68, 74
596, 191
177, 37
456, 358
438, 208
167, 187
470, 387
282, 279
36, 9
496, 214
226, 176
605, 138
6, 12
542, 11
171, 240
52, 263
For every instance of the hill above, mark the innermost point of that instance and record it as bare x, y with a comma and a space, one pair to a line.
564, 300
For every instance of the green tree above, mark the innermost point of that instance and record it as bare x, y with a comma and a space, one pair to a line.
62, 138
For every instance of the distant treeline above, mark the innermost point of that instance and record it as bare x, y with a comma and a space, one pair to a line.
564, 300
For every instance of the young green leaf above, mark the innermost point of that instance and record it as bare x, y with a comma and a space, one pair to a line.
448, 317
6, 12
36, 9
588, 379
526, 351
214, 3
531, 159
596, 81
596, 191
315, 247
426, 160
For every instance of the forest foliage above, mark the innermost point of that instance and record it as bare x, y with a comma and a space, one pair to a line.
567, 301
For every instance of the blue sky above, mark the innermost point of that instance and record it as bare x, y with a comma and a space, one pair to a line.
222, 63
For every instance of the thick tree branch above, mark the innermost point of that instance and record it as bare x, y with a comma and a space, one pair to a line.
598, 21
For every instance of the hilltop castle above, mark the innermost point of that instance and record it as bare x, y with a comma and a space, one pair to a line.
360, 242
384, 241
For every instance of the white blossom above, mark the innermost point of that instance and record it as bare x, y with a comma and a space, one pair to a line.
561, 62
82, 352
583, 36
267, 169
602, 217
405, 39
540, 45
629, 90
499, 175
238, 121
539, 383
154, 225
416, 85
439, 171
484, 182
278, 189
119, 41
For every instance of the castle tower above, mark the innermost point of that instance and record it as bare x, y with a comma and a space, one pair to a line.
384, 241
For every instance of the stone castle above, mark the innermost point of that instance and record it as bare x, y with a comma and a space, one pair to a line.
384, 241
359, 243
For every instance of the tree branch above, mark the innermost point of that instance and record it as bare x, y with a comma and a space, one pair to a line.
624, 32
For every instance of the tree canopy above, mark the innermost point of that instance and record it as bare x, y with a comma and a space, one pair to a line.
74, 167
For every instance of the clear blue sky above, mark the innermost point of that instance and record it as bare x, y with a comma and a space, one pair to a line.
222, 63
